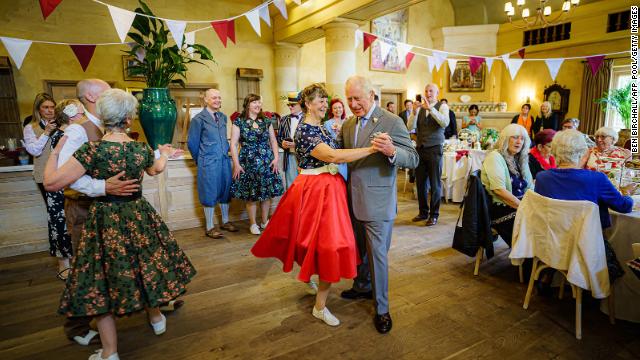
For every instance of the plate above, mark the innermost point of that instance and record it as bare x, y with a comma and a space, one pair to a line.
465, 98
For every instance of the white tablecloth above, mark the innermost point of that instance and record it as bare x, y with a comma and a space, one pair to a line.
455, 173
622, 233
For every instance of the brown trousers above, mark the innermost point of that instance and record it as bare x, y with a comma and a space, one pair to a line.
76, 212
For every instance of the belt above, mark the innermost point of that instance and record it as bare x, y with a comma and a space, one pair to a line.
119, 199
329, 168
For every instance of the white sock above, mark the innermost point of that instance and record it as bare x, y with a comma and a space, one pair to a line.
225, 213
208, 216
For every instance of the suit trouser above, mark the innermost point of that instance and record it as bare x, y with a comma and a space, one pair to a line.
292, 170
373, 239
76, 212
428, 177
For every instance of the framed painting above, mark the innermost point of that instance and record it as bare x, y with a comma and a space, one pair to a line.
126, 62
392, 26
462, 81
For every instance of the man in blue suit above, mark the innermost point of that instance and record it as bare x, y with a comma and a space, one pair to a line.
209, 148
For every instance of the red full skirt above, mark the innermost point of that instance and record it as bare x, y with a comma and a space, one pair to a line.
312, 227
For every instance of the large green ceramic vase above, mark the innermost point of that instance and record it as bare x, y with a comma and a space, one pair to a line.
158, 116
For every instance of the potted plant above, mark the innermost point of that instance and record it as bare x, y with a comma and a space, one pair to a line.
620, 101
161, 64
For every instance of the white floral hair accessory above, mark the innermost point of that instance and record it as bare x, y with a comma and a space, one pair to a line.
70, 110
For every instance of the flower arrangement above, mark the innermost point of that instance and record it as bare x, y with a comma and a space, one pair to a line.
489, 138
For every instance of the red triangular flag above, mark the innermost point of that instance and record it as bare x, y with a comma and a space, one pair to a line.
84, 53
408, 59
231, 31
595, 62
222, 29
47, 7
521, 53
367, 40
475, 64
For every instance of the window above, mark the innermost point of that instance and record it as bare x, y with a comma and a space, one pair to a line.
547, 34
619, 21
620, 77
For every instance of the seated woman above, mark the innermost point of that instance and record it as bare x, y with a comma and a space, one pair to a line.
606, 137
540, 158
506, 176
472, 122
570, 182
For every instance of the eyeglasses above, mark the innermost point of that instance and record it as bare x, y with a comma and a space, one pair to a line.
291, 105
602, 136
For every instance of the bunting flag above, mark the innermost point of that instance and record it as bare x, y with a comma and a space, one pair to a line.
17, 49
83, 53
521, 53
280, 4
356, 40
403, 49
452, 65
122, 20
439, 58
254, 19
489, 62
47, 7
177, 30
595, 62
514, 66
264, 15
190, 39
367, 40
505, 59
554, 67
299, 2
408, 59
475, 64
385, 49
431, 62
225, 30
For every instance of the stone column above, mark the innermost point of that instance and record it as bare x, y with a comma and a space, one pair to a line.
340, 55
287, 57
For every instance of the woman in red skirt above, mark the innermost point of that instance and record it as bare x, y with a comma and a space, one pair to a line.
311, 225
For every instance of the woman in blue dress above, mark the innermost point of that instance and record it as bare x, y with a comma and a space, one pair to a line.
255, 167
334, 126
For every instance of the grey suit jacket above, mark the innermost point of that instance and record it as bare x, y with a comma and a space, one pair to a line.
372, 180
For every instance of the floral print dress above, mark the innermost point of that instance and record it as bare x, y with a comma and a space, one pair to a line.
59, 237
258, 182
126, 258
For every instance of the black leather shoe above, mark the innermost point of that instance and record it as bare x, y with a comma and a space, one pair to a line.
419, 218
352, 294
383, 323
432, 221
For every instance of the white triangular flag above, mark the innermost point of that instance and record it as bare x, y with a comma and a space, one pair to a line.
264, 15
254, 19
280, 4
452, 65
190, 39
432, 62
439, 58
489, 62
299, 2
554, 67
122, 20
505, 59
385, 48
403, 49
514, 66
358, 35
177, 30
17, 49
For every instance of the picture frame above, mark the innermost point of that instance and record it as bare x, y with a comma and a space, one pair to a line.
137, 92
130, 61
461, 79
393, 26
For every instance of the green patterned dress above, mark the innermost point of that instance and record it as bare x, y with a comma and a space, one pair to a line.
127, 258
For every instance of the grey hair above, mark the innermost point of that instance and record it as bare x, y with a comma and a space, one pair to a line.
575, 121
520, 159
433, 86
115, 106
569, 146
361, 81
607, 131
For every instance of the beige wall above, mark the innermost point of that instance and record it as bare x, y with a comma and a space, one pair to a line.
84, 21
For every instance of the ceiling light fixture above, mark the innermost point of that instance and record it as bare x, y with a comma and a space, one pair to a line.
541, 16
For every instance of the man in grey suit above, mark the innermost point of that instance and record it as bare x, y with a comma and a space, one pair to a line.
372, 190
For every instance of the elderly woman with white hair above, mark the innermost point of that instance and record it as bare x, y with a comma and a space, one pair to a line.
605, 151
570, 182
506, 176
127, 260
546, 120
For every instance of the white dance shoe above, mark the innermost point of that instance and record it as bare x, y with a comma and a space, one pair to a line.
86, 339
326, 316
254, 229
98, 356
312, 288
160, 327
264, 226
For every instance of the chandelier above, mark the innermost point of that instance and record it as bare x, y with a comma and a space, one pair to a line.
541, 17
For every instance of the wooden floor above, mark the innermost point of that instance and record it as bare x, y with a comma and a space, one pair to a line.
241, 307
